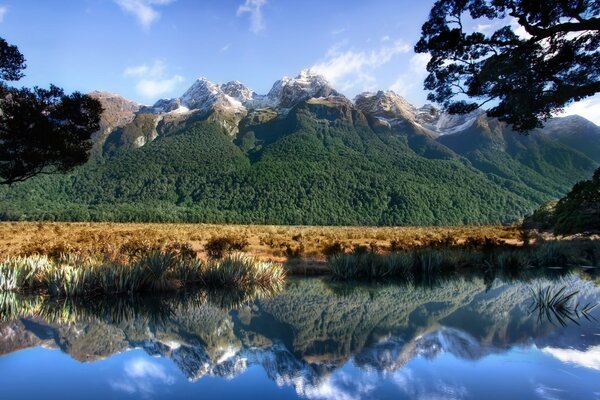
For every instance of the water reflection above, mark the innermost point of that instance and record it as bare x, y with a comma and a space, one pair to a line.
322, 339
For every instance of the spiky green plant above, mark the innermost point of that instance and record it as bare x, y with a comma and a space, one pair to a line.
559, 305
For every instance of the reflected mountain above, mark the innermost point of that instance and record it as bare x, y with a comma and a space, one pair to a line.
301, 336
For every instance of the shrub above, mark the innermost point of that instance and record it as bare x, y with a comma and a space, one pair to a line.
218, 247
331, 249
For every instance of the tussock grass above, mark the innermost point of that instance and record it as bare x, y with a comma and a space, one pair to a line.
264, 241
424, 263
73, 276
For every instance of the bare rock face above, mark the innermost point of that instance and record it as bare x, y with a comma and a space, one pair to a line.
335, 108
117, 113
238, 91
394, 110
287, 92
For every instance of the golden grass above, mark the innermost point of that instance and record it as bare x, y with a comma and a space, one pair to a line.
272, 243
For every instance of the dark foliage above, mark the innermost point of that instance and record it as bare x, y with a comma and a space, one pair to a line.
529, 77
12, 62
41, 130
218, 247
577, 212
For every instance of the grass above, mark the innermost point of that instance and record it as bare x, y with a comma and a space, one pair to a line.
559, 305
75, 276
119, 309
427, 262
270, 243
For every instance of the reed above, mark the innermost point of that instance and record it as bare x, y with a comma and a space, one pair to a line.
502, 260
559, 305
157, 271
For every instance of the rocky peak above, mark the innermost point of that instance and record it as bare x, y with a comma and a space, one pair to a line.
201, 94
238, 91
287, 92
118, 111
386, 105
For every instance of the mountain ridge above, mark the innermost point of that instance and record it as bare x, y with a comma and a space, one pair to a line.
305, 154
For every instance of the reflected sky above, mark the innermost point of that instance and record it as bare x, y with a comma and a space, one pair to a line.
461, 340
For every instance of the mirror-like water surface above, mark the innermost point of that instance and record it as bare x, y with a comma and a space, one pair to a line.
461, 339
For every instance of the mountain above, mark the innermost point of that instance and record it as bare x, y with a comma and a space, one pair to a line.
305, 154
576, 132
308, 332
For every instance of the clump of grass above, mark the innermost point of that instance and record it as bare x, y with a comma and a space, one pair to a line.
559, 306
72, 276
238, 271
218, 247
333, 248
483, 255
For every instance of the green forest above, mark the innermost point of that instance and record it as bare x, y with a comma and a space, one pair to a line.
308, 167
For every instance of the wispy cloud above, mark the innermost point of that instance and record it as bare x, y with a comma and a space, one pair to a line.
254, 8
412, 79
3, 11
143, 10
589, 358
153, 80
141, 376
339, 31
588, 108
350, 69
225, 48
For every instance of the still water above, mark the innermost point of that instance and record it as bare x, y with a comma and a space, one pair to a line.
456, 339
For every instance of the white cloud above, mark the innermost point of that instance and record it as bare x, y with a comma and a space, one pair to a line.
141, 376
587, 359
412, 79
518, 29
339, 31
152, 88
350, 68
483, 28
153, 80
143, 10
588, 108
253, 7
225, 48
3, 11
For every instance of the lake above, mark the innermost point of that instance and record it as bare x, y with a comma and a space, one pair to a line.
454, 338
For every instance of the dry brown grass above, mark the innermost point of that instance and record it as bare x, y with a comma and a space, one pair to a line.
273, 243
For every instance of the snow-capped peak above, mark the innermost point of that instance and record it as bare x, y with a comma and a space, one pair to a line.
394, 109
386, 105
202, 93
288, 92
238, 91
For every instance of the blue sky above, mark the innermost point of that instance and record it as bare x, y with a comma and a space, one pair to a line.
151, 49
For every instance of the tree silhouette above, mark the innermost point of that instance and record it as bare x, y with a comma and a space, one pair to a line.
541, 56
41, 130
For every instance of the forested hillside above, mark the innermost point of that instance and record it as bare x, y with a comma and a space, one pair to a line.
322, 161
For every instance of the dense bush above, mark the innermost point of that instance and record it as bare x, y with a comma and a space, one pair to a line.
218, 247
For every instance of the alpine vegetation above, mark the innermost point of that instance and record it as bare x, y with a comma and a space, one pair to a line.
75, 276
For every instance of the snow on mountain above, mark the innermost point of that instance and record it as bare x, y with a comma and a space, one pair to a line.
287, 92
230, 103
395, 110
387, 106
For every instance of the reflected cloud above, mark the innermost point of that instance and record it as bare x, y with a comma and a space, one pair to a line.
416, 387
141, 376
342, 386
587, 359
548, 393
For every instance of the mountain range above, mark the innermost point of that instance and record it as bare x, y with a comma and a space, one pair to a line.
305, 154
302, 336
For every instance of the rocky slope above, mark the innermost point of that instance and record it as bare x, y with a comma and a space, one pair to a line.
305, 154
